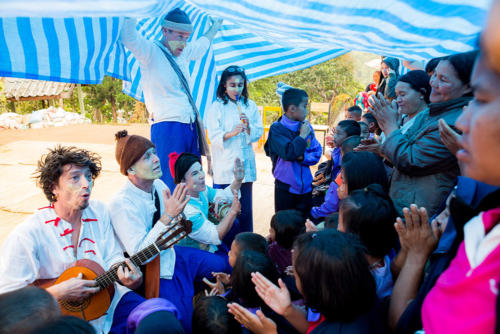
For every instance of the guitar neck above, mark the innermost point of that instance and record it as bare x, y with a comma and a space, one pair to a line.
141, 257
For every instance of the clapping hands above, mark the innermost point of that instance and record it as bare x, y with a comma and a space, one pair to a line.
385, 112
238, 170
417, 236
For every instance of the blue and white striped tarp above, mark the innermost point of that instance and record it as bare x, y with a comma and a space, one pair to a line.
78, 41
232, 46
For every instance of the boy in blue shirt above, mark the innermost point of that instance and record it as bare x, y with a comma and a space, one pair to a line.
292, 146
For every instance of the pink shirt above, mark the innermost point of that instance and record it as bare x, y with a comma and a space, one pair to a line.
463, 299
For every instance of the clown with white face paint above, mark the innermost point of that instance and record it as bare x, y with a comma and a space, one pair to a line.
233, 123
164, 68
206, 234
142, 210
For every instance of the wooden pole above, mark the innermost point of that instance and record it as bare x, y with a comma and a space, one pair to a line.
80, 99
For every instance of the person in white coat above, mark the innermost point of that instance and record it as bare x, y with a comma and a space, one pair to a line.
71, 228
233, 123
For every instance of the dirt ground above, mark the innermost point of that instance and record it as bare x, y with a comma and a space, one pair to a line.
21, 149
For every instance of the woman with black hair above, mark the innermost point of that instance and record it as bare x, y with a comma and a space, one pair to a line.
359, 170
424, 168
233, 124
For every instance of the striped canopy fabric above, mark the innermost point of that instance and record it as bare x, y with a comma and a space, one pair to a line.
78, 41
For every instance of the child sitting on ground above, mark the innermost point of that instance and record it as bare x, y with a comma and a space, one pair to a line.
293, 148
370, 214
242, 241
211, 316
331, 199
244, 293
286, 226
334, 278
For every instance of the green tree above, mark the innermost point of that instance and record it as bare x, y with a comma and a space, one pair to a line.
324, 82
106, 98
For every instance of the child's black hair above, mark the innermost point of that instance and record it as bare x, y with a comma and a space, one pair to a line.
332, 221
25, 309
211, 316
287, 225
362, 169
371, 119
355, 110
370, 214
349, 144
351, 127
66, 325
251, 241
293, 96
247, 263
226, 74
334, 274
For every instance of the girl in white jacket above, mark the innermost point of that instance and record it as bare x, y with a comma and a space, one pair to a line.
233, 123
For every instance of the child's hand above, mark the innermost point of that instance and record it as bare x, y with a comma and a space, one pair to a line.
235, 205
239, 128
216, 288
258, 324
310, 226
238, 170
277, 298
305, 129
222, 278
244, 120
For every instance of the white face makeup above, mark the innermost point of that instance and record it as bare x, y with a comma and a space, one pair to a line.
176, 47
148, 166
74, 187
175, 40
195, 179
234, 86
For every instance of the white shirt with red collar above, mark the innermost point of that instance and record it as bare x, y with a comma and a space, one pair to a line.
41, 248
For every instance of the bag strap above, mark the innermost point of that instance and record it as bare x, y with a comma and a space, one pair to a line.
202, 140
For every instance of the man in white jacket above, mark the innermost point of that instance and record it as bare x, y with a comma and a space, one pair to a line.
71, 228
142, 210
174, 117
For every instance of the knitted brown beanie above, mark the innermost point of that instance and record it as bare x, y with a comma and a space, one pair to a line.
129, 149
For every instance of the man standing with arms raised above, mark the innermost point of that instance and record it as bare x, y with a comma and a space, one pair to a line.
177, 125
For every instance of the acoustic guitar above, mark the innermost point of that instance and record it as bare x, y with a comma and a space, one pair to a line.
96, 305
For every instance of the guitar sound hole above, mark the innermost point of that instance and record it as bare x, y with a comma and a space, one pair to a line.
75, 306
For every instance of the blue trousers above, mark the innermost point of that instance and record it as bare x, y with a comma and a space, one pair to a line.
171, 137
245, 219
191, 266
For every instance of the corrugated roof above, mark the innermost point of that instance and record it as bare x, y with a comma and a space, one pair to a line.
15, 88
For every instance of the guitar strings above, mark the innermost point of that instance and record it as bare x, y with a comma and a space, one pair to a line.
111, 275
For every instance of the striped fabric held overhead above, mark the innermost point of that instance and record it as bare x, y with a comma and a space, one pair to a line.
78, 41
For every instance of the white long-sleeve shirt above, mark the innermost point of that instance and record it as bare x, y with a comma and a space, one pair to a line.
132, 211
163, 92
41, 248
222, 118
204, 231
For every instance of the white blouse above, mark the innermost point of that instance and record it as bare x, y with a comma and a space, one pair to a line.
222, 118
132, 211
41, 247
204, 231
